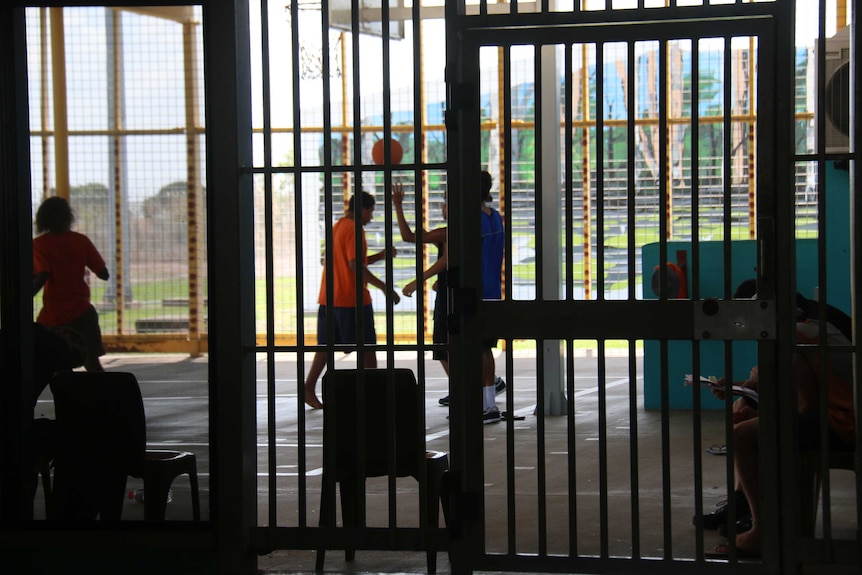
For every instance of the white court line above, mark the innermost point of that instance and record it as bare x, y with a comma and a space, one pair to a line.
608, 386
529, 410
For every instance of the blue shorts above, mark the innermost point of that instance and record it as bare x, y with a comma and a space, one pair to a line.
345, 325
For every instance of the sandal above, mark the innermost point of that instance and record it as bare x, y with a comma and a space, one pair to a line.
722, 551
716, 449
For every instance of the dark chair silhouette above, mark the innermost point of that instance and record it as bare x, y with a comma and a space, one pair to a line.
809, 483
394, 441
101, 441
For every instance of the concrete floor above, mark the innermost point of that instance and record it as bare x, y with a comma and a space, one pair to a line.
174, 388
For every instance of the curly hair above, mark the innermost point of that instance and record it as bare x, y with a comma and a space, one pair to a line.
54, 215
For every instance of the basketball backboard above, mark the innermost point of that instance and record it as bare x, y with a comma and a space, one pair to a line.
370, 17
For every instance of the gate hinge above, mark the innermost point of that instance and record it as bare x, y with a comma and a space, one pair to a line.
460, 97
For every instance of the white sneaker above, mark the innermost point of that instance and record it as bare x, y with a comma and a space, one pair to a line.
491, 415
499, 385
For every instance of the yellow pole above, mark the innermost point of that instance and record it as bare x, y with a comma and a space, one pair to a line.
752, 179
61, 123
194, 189
43, 101
119, 276
585, 174
840, 14
668, 91
502, 187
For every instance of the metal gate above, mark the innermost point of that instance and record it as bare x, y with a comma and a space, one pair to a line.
594, 480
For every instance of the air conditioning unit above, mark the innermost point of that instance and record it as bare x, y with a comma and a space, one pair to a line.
836, 97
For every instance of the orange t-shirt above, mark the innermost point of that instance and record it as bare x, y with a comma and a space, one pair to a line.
343, 278
66, 257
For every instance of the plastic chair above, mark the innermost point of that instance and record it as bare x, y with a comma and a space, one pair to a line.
387, 418
101, 441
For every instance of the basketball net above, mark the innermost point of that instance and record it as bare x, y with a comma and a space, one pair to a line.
311, 43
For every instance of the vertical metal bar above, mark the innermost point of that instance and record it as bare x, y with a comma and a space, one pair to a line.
631, 161
16, 271
326, 77
538, 172
571, 445
231, 278
727, 239
541, 451
856, 235
390, 325
570, 296
505, 184
268, 250
634, 473
600, 171
727, 172
665, 451
511, 478
776, 280
663, 202
694, 291
601, 383
540, 111
504, 126
361, 344
823, 290
302, 453
569, 199
421, 202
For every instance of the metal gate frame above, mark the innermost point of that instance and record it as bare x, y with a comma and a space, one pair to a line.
772, 23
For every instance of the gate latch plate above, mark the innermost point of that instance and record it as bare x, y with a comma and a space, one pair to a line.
734, 319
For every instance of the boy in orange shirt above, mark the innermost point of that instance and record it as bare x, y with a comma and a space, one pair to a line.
344, 270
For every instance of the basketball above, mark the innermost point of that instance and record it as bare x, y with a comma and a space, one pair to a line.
377, 152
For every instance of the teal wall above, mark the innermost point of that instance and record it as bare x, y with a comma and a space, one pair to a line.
743, 264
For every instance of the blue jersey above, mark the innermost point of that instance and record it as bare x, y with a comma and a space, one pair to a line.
493, 244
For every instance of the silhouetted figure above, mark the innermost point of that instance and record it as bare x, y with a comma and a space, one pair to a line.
61, 260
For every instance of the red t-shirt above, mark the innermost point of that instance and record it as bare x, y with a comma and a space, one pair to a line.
66, 257
343, 278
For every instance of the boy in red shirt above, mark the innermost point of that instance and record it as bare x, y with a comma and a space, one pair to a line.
61, 259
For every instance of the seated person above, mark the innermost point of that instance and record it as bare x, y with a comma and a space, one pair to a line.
839, 411
54, 349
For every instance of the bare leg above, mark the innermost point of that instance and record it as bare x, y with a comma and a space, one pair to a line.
317, 366
444, 363
93, 364
746, 455
488, 367
370, 360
